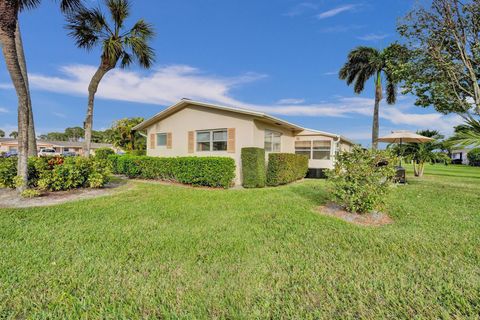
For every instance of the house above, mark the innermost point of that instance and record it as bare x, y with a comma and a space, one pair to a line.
460, 155
192, 128
8, 144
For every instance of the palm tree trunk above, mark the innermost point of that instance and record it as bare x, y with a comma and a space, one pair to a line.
8, 20
32, 141
378, 98
92, 90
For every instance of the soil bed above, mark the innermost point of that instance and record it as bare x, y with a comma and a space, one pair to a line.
375, 219
10, 198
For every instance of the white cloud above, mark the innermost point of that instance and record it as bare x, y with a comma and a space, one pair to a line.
3, 110
335, 11
6, 86
169, 84
374, 36
291, 101
301, 8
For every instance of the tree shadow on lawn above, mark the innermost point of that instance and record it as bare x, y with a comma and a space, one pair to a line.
313, 191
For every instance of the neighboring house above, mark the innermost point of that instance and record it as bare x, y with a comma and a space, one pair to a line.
7, 144
191, 128
461, 155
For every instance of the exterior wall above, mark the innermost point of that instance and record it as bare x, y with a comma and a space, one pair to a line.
320, 164
461, 154
197, 119
287, 140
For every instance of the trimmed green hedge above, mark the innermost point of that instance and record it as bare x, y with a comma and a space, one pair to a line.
57, 173
284, 168
473, 157
103, 153
253, 167
202, 171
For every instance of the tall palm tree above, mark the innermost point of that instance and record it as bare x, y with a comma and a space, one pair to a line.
364, 63
16, 66
90, 27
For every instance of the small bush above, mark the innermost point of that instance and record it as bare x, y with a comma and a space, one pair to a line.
8, 172
203, 171
473, 157
137, 152
31, 193
253, 167
103, 153
361, 178
284, 168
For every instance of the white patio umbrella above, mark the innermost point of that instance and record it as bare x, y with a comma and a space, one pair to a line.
402, 136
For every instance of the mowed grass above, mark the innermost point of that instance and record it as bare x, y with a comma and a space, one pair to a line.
162, 251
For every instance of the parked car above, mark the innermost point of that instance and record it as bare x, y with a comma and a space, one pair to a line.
69, 154
48, 152
11, 154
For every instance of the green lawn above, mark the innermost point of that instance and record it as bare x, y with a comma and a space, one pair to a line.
175, 252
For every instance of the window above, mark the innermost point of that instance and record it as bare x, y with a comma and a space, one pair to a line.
321, 150
273, 141
161, 139
212, 140
316, 149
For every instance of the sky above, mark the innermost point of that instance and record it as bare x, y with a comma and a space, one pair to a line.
281, 57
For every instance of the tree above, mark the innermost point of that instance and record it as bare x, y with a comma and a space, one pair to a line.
467, 134
422, 153
2, 133
13, 134
12, 49
90, 27
123, 137
444, 49
364, 63
74, 133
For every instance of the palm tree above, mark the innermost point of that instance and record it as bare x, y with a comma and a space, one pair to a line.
90, 27
13, 134
364, 63
467, 134
12, 49
124, 137
421, 153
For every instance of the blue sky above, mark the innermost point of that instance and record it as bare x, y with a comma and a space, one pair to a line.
280, 57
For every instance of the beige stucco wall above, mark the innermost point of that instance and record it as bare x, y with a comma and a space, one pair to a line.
202, 118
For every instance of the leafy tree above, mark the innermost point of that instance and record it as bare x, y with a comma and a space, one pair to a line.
74, 133
364, 63
12, 49
123, 137
90, 27
2, 133
444, 49
13, 134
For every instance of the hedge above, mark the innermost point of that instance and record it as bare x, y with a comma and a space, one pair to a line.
253, 167
57, 173
473, 157
103, 153
284, 168
202, 171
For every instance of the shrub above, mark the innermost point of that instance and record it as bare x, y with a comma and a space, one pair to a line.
57, 173
103, 153
203, 171
253, 167
137, 152
8, 172
361, 178
31, 193
284, 168
473, 157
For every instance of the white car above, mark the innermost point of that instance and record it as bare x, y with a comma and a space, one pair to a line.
48, 152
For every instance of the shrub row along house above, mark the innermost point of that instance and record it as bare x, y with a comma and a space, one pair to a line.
192, 128
11, 145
